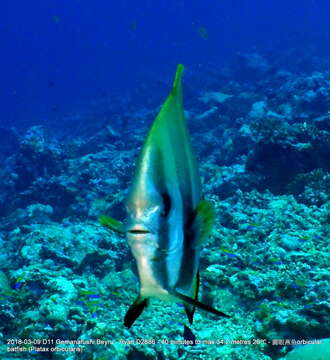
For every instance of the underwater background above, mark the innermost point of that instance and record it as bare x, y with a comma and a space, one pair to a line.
81, 82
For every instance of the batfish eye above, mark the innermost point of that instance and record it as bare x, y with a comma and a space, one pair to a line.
166, 205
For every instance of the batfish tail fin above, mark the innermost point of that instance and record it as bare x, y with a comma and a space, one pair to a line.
196, 303
135, 310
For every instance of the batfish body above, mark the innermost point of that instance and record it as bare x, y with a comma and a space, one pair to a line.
167, 219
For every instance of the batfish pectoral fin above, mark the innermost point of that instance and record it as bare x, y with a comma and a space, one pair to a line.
135, 310
203, 221
196, 303
190, 310
112, 224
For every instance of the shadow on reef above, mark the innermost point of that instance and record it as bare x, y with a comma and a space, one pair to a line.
281, 162
77, 177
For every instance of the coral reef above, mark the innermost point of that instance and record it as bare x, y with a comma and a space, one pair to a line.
263, 143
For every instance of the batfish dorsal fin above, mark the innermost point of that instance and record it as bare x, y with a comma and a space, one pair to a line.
170, 118
203, 221
112, 224
177, 85
167, 153
134, 311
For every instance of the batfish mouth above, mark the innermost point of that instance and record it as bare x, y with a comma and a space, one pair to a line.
138, 231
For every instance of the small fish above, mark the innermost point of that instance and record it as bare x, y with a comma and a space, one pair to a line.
92, 303
18, 285
203, 33
168, 221
309, 305
275, 261
282, 305
133, 26
257, 264
51, 83
298, 283
7, 293
94, 296
231, 255
228, 252
4, 299
294, 286
56, 19
87, 293
306, 237
93, 309
252, 226
174, 322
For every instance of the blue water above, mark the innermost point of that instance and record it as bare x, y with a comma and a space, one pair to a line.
58, 57
94, 74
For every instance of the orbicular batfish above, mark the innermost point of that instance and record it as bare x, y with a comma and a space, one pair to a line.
167, 219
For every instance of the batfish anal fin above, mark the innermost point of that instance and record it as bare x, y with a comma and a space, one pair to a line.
112, 224
134, 311
190, 313
203, 221
189, 336
190, 310
196, 303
